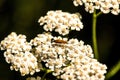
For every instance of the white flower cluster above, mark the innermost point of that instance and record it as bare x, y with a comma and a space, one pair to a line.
34, 78
68, 59
61, 22
104, 6
18, 53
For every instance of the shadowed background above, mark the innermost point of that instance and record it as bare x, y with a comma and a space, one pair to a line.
21, 16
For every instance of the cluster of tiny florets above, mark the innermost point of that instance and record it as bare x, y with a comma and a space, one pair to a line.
18, 54
61, 22
68, 61
104, 6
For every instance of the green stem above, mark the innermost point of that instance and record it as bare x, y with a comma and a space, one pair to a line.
94, 39
98, 14
43, 77
46, 72
113, 70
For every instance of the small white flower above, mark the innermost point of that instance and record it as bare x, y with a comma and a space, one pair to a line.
115, 10
89, 7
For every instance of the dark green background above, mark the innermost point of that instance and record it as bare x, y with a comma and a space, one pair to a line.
21, 16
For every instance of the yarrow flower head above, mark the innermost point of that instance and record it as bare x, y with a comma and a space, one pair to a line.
104, 6
68, 59
18, 54
61, 22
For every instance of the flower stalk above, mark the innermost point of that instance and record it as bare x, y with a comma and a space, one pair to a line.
94, 33
113, 70
46, 72
94, 37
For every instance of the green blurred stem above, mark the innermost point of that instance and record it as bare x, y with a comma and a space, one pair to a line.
46, 72
94, 38
113, 70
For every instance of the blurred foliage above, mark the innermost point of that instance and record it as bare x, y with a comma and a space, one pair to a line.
21, 16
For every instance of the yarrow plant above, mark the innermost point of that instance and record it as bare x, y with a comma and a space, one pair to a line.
65, 58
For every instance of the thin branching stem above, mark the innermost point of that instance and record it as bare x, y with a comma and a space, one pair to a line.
46, 72
99, 13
